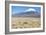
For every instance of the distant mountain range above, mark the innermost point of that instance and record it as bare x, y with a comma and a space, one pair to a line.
27, 14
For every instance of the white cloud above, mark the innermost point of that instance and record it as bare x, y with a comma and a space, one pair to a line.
30, 9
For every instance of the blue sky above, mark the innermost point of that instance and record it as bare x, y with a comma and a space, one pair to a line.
19, 9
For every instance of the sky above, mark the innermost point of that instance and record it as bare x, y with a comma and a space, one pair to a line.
20, 9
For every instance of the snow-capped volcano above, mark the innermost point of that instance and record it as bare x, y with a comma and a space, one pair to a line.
28, 13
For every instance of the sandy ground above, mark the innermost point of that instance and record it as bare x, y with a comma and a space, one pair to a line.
25, 22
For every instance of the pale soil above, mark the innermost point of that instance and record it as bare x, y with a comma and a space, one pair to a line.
25, 22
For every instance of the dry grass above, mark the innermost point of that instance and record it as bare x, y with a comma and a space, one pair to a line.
25, 22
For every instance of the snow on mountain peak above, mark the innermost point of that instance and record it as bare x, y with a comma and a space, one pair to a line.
30, 9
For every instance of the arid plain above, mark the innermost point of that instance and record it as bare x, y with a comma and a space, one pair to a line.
25, 22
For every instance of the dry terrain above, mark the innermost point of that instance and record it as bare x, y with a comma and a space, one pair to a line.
25, 22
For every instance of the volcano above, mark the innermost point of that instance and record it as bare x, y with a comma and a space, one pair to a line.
27, 14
